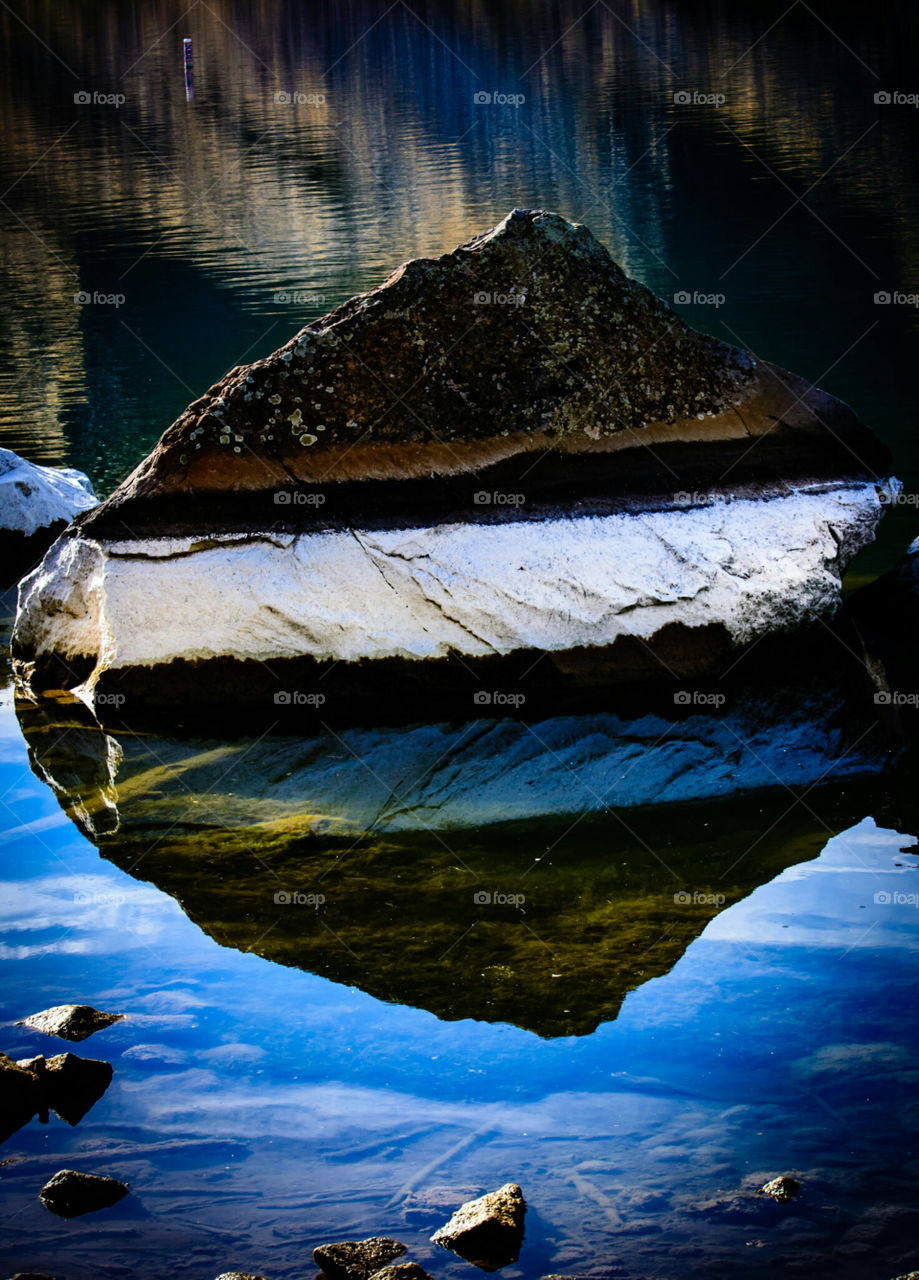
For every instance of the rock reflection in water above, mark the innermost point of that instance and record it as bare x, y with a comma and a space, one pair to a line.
436, 865
67, 1084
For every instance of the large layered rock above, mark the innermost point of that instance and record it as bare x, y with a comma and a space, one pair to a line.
36, 504
511, 450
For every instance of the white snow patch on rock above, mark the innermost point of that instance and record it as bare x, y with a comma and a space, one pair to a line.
33, 497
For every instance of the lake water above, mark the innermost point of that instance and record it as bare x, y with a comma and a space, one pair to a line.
662, 1005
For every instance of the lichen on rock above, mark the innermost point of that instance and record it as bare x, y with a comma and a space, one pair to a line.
356, 1259
528, 330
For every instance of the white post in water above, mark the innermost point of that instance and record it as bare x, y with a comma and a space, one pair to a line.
189, 69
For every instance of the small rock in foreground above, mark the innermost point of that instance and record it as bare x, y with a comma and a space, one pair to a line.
357, 1259
401, 1271
782, 1189
70, 1021
32, 1275
70, 1194
487, 1232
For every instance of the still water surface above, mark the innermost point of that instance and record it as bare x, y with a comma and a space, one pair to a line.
633, 1062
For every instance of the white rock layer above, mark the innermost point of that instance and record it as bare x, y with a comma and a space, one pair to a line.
755, 566
33, 497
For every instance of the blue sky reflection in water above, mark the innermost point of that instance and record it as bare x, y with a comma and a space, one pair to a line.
258, 1109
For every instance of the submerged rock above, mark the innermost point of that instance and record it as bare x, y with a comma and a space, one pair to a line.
369, 495
357, 1259
781, 1189
742, 1207
753, 1202
36, 504
487, 1232
70, 1194
70, 1021
20, 1096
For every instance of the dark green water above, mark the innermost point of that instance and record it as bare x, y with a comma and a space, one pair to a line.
298, 1071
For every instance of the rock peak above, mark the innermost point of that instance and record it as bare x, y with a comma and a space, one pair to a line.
527, 336
542, 225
